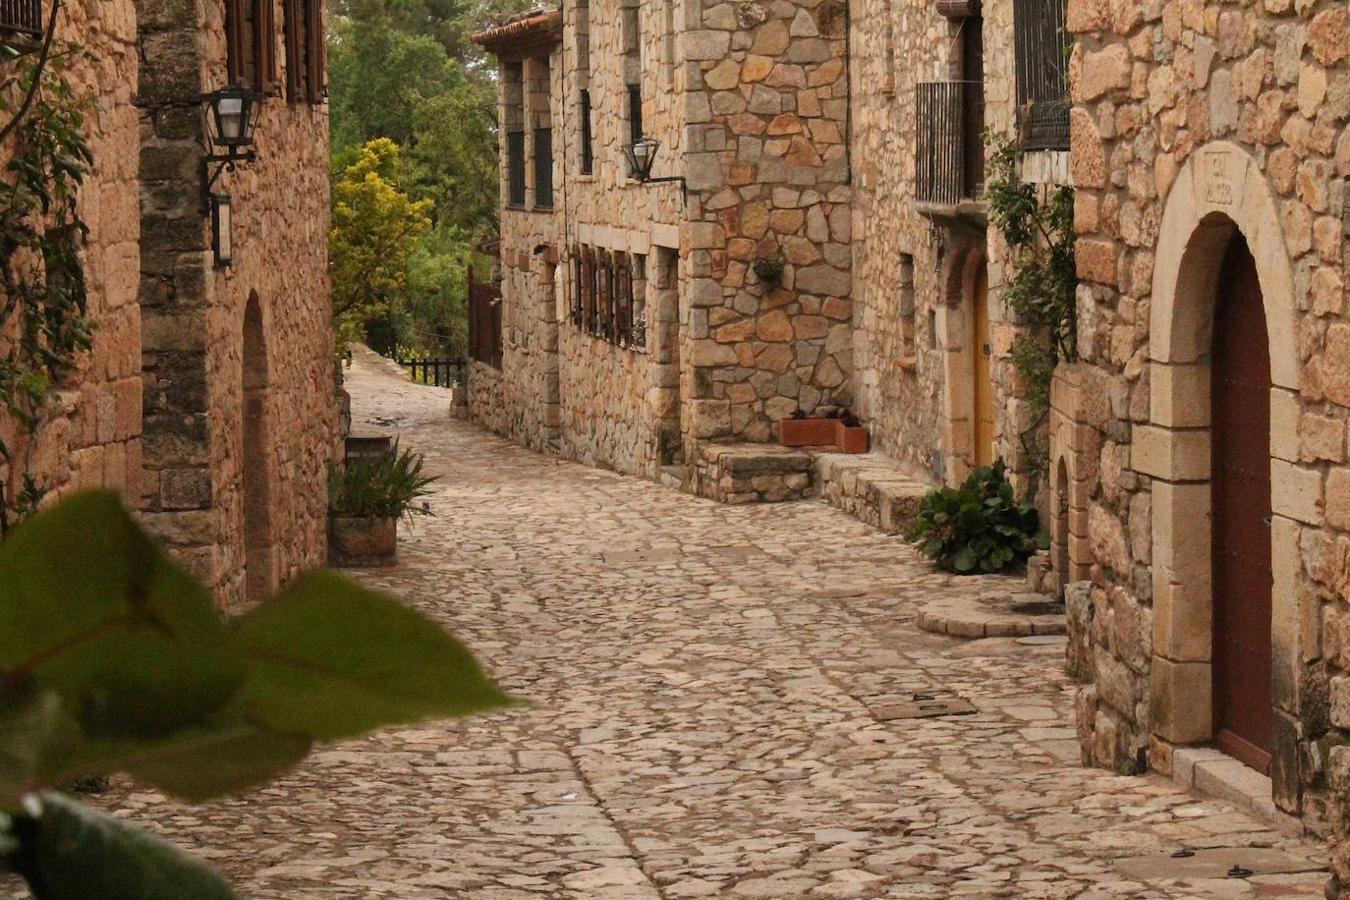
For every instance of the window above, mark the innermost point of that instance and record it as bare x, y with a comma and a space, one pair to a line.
305, 50
609, 296
250, 37
1042, 48
513, 88
587, 139
587, 161
515, 168
543, 168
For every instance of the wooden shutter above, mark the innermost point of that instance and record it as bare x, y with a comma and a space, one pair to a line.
235, 47
291, 29
265, 46
316, 55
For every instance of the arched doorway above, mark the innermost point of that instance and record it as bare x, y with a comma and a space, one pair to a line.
1240, 500
255, 461
983, 384
1224, 363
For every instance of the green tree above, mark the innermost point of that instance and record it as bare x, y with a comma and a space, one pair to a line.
376, 228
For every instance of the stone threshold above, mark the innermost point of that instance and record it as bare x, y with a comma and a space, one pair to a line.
1214, 773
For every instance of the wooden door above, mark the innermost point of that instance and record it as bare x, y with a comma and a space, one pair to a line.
984, 387
1240, 382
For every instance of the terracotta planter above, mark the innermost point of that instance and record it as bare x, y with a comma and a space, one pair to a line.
850, 440
812, 432
362, 542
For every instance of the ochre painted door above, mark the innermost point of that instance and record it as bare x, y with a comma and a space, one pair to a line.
984, 387
1240, 380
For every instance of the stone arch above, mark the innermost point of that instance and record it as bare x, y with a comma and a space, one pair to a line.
957, 322
256, 457
1072, 439
1220, 191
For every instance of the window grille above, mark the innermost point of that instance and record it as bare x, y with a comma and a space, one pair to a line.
250, 37
21, 17
948, 154
1042, 45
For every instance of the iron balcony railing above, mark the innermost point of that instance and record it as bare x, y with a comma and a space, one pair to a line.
949, 155
543, 168
21, 17
515, 168
1041, 43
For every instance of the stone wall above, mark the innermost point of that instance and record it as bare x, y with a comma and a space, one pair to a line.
90, 436
913, 341
768, 168
1195, 121
245, 518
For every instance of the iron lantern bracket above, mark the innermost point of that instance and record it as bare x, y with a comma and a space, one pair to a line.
668, 179
222, 162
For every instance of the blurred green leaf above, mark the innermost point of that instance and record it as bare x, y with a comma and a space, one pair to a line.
69, 851
34, 728
92, 610
331, 659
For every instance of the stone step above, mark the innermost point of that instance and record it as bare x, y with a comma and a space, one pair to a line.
872, 488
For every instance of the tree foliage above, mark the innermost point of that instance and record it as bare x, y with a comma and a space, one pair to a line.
405, 71
115, 660
376, 228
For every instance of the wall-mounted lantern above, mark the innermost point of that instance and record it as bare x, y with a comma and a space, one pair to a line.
222, 230
231, 114
641, 154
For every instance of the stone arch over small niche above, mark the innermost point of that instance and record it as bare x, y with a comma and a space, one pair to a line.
1220, 191
1073, 439
260, 562
956, 319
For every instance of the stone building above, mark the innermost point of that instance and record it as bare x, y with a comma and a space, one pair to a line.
195, 363
933, 337
1201, 486
645, 321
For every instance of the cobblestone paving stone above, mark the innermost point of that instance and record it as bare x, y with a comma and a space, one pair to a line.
701, 677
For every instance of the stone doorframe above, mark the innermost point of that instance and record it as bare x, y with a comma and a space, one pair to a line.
1219, 190
956, 331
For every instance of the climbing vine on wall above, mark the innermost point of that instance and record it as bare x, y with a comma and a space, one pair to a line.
1037, 224
44, 323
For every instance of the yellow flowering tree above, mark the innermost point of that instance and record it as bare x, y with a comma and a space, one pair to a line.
376, 228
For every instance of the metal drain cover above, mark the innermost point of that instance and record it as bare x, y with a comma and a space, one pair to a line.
919, 706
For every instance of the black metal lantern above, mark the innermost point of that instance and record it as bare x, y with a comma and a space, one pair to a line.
641, 154
231, 114
232, 117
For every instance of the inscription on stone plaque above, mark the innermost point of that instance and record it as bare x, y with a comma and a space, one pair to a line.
1219, 187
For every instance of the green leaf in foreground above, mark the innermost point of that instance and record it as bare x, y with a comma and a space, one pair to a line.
71, 852
331, 659
91, 609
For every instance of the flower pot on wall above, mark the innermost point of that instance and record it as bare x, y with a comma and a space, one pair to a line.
362, 542
850, 438
808, 432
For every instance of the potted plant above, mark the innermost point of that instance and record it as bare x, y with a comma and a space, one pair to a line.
850, 435
801, 430
366, 499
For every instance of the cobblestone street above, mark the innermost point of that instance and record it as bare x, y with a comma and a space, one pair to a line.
703, 680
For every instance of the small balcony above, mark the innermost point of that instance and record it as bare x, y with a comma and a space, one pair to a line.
949, 151
21, 17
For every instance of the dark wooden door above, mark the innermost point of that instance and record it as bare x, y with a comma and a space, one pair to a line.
1241, 504
972, 106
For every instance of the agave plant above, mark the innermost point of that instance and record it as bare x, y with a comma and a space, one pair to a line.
383, 486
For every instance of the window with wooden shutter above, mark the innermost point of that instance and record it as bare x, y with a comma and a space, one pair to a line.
305, 50
250, 37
